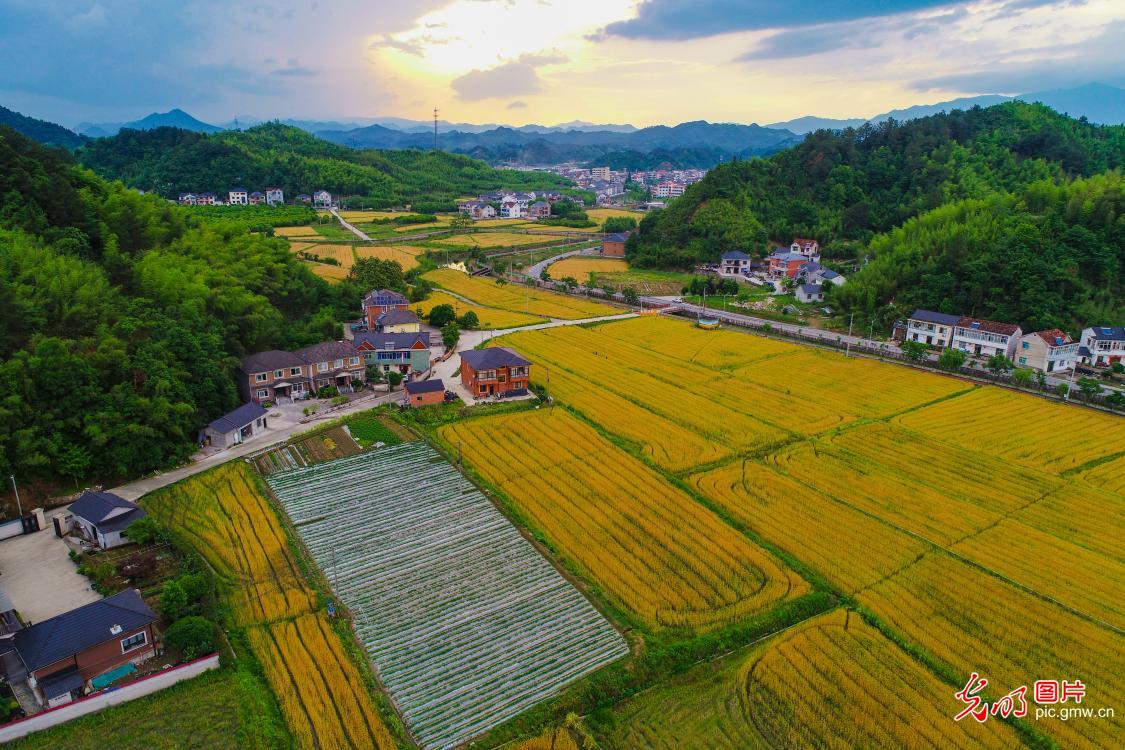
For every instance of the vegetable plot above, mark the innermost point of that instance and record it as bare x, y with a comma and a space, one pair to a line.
466, 623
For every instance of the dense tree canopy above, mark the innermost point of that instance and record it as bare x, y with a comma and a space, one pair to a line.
169, 161
124, 316
1011, 212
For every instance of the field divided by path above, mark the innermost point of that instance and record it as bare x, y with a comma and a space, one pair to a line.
981, 526
652, 550
466, 622
515, 298
322, 695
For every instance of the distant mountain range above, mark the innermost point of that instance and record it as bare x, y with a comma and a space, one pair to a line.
1097, 102
691, 144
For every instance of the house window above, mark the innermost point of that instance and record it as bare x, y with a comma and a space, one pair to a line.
322, 367
134, 642
1023, 360
278, 373
263, 393
261, 377
294, 370
1026, 345
353, 361
338, 363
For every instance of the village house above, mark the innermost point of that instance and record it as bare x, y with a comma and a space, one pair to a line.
273, 375
238, 196
334, 364
406, 353
539, 210
808, 248
322, 199
734, 263
613, 245
985, 338
931, 328
425, 392
188, 199
380, 301
496, 371
814, 273
101, 517
398, 321
1048, 351
61, 656
810, 293
786, 264
236, 426
257, 198
304, 198
476, 210
275, 196
205, 199
510, 209
1102, 346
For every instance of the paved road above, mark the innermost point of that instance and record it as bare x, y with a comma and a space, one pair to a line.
348, 226
536, 270
141, 487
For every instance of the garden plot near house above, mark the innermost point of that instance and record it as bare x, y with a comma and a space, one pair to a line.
466, 623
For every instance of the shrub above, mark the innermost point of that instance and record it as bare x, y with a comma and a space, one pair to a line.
173, 601
469, 320
192, 636
394, 378
329, 391
339, 400
146, 530
441, 315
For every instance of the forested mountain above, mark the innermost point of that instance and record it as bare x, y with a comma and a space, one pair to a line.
169, 161
846, 187
40, 130
693, 144
173, 118
124, 315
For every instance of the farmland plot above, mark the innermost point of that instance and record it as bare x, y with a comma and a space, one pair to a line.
466, 623
517, 299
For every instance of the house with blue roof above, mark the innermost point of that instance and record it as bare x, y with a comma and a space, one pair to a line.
236, 426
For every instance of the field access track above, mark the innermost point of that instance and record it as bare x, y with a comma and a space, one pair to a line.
467, 624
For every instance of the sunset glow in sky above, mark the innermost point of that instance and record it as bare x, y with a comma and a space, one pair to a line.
543, 61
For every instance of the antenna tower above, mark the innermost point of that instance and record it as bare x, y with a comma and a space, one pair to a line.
435, 128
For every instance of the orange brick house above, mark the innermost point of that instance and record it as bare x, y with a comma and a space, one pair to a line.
425, 392
613, 245
381, 301
496, 371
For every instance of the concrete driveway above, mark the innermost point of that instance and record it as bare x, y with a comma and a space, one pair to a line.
38, 576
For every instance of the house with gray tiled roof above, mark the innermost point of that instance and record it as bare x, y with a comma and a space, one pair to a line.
103, 517
64, 655
236, 426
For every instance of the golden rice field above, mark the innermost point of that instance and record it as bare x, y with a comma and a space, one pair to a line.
661, 557
974, 622
601, 214
487, 223
517, 298
224, 516
489, 240
331, 274
580, 267
1022, 428
291, 232
405, 255
322, 696
489, 317
1109, 475
832, 682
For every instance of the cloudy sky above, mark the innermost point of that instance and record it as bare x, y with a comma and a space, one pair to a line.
544, 61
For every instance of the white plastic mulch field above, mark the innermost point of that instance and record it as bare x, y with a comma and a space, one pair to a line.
467, 624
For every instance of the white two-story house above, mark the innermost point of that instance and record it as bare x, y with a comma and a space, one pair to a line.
238, 196
1102, 346
985, 338
931, 328
735, 263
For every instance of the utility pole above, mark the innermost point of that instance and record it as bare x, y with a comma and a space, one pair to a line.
15, 489
1069, 385
848, 348
435, 129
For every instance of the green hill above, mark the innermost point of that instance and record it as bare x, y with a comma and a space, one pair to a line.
169, 161
124, 315
47, 133
849, 188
